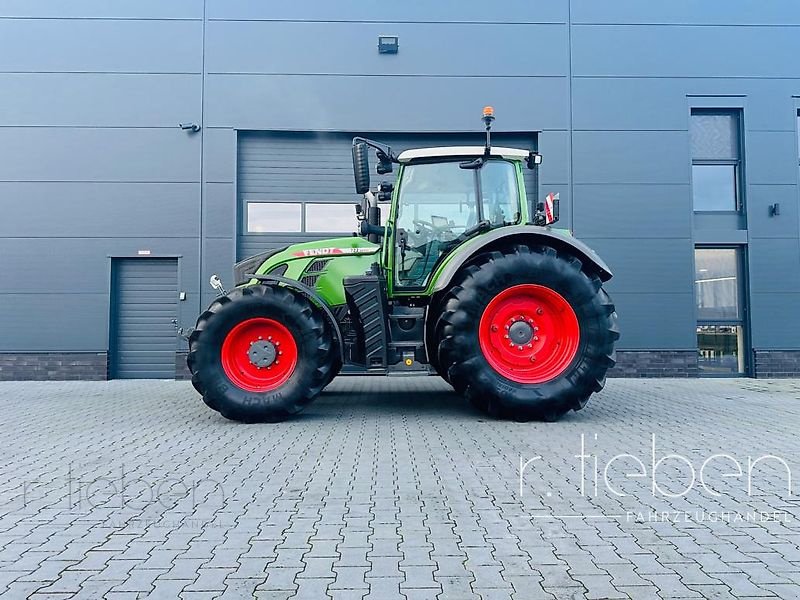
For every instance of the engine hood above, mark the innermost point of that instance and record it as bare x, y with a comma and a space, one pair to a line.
344, 246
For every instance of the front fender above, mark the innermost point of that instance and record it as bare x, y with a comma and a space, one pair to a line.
504, 237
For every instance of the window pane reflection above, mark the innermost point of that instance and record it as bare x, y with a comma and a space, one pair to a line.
334, 218
269, 217
717, 288
714, 187
720, 349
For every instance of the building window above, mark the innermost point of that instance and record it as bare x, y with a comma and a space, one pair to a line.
269, 217
298, 217
721, 340
330, 218
716, 160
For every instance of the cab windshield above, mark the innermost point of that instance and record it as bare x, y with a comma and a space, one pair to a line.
437, 204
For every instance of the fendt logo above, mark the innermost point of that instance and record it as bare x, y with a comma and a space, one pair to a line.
329, 251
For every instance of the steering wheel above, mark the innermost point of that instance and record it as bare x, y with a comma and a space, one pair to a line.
425, 231
424, 225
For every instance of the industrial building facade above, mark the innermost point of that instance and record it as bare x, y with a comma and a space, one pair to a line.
145, 145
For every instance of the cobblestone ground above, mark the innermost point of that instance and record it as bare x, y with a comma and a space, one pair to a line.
395, 488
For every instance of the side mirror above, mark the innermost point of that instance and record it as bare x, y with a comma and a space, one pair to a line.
361, 167
384, 163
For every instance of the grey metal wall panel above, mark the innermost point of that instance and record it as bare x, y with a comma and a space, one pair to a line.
774, 265
770, 103
80, 265
103, 9
647, 265
774, 321
647, 103
219, 254
606, 103
664, 51
366, 10
219, 155
655, 321
707, 12
771, 156
427, 48
323, 103
630, 156
90, 209
219, 210
144, 303
42, 322
84, 154
554, 146
632, 210
759, 222
98, 99
294, 167
92, 45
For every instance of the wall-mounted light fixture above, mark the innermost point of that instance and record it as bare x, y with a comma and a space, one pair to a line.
388, 44
193, 127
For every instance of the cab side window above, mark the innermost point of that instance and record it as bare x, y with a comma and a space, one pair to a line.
499, 193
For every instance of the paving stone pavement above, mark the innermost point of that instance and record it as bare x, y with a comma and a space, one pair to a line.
396, 488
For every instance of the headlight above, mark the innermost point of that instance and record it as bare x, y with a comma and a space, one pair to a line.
250, 265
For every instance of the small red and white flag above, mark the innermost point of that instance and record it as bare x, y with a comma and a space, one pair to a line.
549, 210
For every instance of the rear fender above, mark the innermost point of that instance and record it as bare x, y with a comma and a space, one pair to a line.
505, 237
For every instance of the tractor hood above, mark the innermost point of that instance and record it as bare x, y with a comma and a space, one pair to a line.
344, 246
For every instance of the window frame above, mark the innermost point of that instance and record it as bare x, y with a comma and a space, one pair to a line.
737, 163
740, 289
742, 301
246, 217
303, 230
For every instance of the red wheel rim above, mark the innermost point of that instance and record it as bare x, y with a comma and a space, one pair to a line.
529, 333
259, 354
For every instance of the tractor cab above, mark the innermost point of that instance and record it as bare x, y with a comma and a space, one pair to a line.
443, 197
440, 205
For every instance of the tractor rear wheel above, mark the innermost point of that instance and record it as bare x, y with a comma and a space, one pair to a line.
260, 354
527, 333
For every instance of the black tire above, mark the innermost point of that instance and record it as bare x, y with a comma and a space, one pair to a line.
459, 349
336, 367
306, 325
190, 363
437, 334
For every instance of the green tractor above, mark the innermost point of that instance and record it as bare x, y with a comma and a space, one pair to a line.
465, 279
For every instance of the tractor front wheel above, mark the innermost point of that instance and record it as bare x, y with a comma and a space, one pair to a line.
527, 334
260, 354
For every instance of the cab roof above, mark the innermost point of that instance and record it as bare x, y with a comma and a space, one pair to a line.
457, 151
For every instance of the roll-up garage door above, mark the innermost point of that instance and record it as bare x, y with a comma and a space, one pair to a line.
143, 304
295, 187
